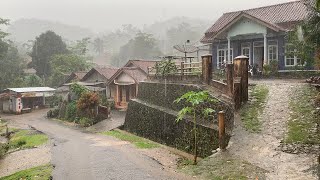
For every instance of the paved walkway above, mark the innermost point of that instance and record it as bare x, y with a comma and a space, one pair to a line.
77, 155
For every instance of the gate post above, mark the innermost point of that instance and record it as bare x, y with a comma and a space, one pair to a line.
241, 64
206, 68
222, 131
230, 75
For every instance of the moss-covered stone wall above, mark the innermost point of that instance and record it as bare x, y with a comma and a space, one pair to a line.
153, 116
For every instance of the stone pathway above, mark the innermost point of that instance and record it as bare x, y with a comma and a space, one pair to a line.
261, 149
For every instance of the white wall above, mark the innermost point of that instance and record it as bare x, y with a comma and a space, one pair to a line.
246, 26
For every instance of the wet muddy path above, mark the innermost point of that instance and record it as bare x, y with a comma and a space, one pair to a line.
261, 149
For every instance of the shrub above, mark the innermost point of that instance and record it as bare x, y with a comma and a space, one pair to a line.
3, 149
53, 113
71, 111
87, 104
86, 122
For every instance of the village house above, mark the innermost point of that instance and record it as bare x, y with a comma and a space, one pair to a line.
123, 85
75, 77
19, 100
257, 33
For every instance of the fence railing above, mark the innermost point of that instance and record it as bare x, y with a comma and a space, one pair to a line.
183, 68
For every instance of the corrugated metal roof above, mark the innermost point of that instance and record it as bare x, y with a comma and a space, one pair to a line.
276, 15
31, 89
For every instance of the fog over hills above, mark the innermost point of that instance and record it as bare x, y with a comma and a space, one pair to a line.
23, 30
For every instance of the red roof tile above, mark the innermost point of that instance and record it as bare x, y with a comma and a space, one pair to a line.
281, 15
142, 64
107, 72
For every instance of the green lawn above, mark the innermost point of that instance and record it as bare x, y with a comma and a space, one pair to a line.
25, 139
36, 173
303, 120
251, 111
139, 142
222, 168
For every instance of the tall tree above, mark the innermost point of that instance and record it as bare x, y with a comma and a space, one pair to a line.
143, 46
98, 45
63, 65
80, 47
11, 64
46, 45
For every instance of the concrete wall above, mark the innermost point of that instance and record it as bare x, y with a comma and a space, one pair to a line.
153, 115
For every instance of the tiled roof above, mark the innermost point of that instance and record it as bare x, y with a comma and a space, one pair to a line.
107, 72
142, 64
80, 74
280, 15
135, 72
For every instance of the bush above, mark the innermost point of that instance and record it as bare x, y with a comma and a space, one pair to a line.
71, 111
87, 104
53, 113
3, 149
86, 122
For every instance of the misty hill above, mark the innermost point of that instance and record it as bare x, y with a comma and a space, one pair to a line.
23, 30
159, 29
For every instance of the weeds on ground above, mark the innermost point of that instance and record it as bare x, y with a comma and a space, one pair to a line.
139, 142
302, 125
251, 111
36, 173
24, 139
221, 168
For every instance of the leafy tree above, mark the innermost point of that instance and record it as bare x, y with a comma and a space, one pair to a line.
98, 45
143, 46
64, 64
80, 47
45, 47
182, 33
33, 81
11, 68
195, 101
165, 68
78, 89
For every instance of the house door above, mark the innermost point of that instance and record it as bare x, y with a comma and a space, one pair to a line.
258, 53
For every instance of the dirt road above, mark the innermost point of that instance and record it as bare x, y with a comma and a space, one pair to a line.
79, 155
262, 149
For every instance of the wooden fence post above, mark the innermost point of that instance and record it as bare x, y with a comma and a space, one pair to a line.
241, 64
206, 68
230, 76
182, 70
237, 93
7, 131
222, 131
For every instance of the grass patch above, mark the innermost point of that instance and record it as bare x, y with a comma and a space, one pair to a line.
302, 125
222, 168
251, 111
36, 173
24, 139
139, 142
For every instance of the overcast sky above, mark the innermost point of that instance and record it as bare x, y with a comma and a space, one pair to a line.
100, 15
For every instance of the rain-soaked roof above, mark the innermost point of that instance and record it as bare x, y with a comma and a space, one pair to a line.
31, 89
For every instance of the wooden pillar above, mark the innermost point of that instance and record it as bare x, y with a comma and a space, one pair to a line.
230, 70
206, 68
222, 131
237, 93
241, 64
117, 94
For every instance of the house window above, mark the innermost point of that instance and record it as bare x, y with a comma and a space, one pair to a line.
291, 57
222, 54
272, 50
